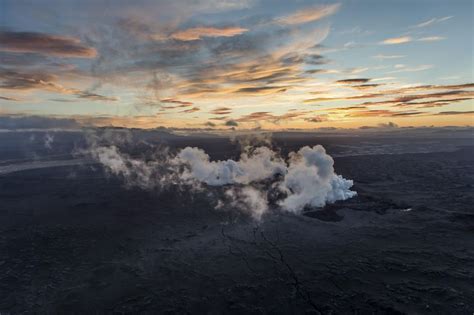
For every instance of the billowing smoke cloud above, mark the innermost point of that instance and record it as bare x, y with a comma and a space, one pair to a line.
305, 179
310, 180
261, 164
246, 199
151, 171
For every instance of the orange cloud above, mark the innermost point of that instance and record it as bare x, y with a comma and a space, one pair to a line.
353, 81
221, 111
309, 14
450, 113
24, 81
46, 44
191, 110
199, 32
397, 40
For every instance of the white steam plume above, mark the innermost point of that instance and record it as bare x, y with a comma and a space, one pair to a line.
247, 199
306, 179
311, 181
261, 164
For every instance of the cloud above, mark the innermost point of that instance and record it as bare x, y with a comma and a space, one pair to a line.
95, 97
210, 124
197, 33
261, 90
177, 104
261, 164
317, 119
199, 59
431, 38
231, 123
5, 98
309, 14
191, 110
221, 111
261, 61
432, 103
247, 199
256, 116
14, 59
349, 108
306, 179
383, 113
352, 81
449, 113
403, 68
432, 21
46, 44
420, 96
14, 80
397, 40
407, 39
175, 101
270, 117
219, 118
444, 97
381, 56
365, 86
311, 180
388, 125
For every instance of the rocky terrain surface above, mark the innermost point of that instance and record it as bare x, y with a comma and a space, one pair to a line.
75, 240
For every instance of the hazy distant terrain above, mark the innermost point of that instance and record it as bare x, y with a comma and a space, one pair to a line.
74, 238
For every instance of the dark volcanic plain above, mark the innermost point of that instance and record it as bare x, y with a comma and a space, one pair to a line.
76, 240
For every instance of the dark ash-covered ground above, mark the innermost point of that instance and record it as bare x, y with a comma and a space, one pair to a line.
73, 240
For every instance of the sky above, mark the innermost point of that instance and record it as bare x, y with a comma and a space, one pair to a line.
238, 64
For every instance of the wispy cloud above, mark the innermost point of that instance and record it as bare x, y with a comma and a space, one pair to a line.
383, 113
94, 96
191, 110
432, 21
177, 102
407, 39
470, 112
263, 90
48, 44
317, 119
271, 117
18, 81
365, 86
431, 38
403, 68
197, 63
197, 33
309, 14
221, 111
381, 56
414, 96
353, 81
5, 98
397, 40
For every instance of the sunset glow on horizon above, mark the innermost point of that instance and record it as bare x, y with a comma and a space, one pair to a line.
273, 65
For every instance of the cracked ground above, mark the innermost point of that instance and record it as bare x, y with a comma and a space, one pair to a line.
76, 241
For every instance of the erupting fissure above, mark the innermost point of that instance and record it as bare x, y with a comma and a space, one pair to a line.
305, 179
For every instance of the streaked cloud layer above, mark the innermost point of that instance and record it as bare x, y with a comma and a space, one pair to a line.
201, 32
237, 64
41, 43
